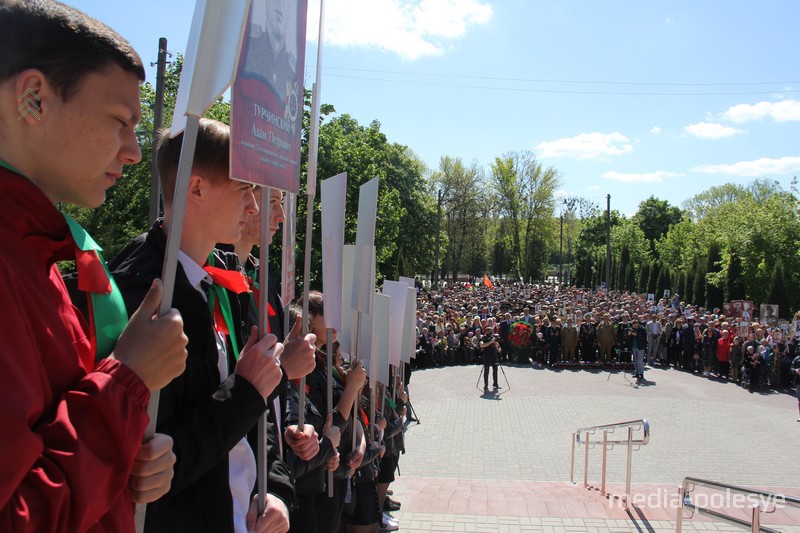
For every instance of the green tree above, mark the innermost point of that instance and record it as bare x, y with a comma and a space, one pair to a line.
624, 259
681, 284
734, 284
644, 274
699, 289
777, 291
663, 281
462, 198
630, 277
652, 278
688, 298
614, 267
404, 200
525, 195
714, 294
655, 217
699, 206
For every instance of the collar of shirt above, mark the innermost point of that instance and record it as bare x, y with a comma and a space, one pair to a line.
194, 273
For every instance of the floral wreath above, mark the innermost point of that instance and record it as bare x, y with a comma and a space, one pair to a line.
520, 334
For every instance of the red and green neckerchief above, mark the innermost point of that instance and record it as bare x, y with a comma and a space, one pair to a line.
218, 301
107, 313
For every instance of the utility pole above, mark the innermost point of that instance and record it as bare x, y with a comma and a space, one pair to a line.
608, 243
561, 248
438, 225
158, 118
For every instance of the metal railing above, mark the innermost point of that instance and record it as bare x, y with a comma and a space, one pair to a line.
759, 497
629, 441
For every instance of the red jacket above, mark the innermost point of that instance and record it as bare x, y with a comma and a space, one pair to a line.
69, 431
724, 349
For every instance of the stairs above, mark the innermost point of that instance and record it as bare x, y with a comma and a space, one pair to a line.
533, 506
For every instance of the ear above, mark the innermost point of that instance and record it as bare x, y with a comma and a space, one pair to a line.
198, 189
34, 97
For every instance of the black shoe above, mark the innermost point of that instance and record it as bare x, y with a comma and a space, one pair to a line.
390, 505
498, 387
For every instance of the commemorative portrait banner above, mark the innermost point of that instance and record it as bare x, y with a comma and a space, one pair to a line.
267, 96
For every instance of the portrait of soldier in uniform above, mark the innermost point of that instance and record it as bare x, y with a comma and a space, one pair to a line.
267, 49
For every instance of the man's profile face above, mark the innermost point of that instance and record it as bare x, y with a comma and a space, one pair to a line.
276, 213
230, 205
252, 230
89, 138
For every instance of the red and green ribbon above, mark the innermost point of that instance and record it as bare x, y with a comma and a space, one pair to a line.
218, 301
107, 314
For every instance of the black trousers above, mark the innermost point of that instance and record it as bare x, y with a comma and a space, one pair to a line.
329, 510
486, 366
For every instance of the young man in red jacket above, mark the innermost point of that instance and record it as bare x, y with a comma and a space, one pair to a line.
74, 398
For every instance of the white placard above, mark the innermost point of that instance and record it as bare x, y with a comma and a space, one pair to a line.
345, 335
407, 281
364, 284
364, 287
398, 292
288, 256
381, 311
212, 52
409, 340
334, 195
366, 347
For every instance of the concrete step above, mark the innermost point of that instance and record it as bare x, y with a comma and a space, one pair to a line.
565, 501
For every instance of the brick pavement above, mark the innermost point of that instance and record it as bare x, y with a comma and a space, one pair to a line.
501, 461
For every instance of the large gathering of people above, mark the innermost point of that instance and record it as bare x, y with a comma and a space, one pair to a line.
566, 326
84, 353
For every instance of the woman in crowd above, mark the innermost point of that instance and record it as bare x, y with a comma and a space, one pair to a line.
709, 351
723, 353
736, 359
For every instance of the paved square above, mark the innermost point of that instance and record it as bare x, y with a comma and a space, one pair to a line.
500, 461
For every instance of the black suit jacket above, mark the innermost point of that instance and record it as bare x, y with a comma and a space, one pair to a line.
206, 418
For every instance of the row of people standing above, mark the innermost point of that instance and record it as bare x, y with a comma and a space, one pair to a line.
234, 376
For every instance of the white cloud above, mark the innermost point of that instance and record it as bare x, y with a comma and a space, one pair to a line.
410, 29
655, 130
709, 130
757, 168
784, 111
593, 145
645, 177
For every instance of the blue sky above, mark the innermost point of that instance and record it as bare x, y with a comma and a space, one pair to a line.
627, 98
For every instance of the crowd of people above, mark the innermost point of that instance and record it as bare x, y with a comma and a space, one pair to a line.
550, 325
82, 354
